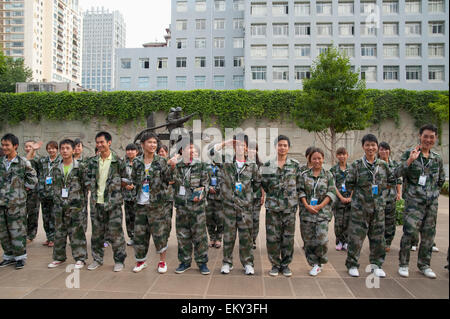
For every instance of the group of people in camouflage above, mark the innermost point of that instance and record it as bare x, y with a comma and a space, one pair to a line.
220, 197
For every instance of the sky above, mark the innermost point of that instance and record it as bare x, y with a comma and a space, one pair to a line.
146, 20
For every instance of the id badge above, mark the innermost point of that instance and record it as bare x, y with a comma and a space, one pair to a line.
374, 189
238, 187
422, 180
49, 180
343, 188
314, 202
146, 188
65, 193
182, 191
213, 181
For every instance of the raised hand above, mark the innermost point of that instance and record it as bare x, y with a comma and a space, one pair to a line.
414, 155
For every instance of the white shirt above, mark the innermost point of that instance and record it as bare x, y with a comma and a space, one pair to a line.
144, 198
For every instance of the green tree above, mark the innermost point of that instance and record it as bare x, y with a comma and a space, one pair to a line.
441, 107
334, 101
11, 72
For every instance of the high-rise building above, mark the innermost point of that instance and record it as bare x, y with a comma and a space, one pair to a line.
46, 34
103, 32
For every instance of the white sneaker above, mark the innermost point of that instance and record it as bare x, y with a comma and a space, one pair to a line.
353, 272
315, 270
435, 249
403, 271
379, 273
249, 270
55, 264
79, 264
140, 266
226, 269
94, 265
118, 267
345, 247
130, 243
413, 248
162, 267
429, 273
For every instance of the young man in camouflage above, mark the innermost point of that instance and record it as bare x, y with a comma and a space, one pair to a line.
239, 181
168, 202
130, 200
189, 173
260, 195
69, 183
368, 178
423, 177
33, 203
150, 176
106, 174
214, 208
280, 178
16, 177
46, 165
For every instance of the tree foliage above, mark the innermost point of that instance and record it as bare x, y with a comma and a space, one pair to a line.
11, 72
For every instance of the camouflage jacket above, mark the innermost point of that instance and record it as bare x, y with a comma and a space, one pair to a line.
360, 181
281, 184
434, 171
392, 194
75, 183
158, 177
45, 170
324, 186
213, 171
113, 190
13, 182
35, 164
128, 195
191, 176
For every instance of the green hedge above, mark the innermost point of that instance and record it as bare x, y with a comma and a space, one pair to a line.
230, 108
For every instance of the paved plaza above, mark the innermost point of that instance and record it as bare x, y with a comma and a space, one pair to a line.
37, 281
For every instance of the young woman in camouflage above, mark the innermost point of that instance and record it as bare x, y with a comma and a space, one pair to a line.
168, 203
128, 198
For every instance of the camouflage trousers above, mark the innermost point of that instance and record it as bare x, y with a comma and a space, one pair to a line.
366, 221
390, 223
256, 212
107, 225
150, 222
32, 214
280, 230
168, 212
130, 217
301, 232
69, 223
214, 219
237, 219
192, 234
316, 241
48, 216
418, 219
84, 213
341, 222
13, 233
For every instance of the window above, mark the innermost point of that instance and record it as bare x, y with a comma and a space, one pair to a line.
281, 73
436, 28
200, 5
181, 43
390, 28
369, 73
238, 5
368, 50
346, 8
219, 81
181, 6
181, 62
302, 72
413, 28
200, 82
368, 29
324, 29
390, 73
436, 6
219, 43
390, 7
181, 25
259, 73
219, 5
436, 50
162, 63
302, 9
219, 24
391, 50
238, 81
258, 9
162, 82
413, 73
238, 61
238, 43
346, 29
324, 8
125, 83
347, 49
412, 6
200, 43
144, 63
280, 29
413, 50
200, 62
181, 82
143, 82
200, 24
302, 51
322, 48
302, 29
258, 51
125, 63
436, 73
280, 9
219, 61
367, 7
238, 24
280, 51
258, 30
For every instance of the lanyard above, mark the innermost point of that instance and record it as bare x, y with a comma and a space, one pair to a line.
240, 172
315, 187
66, 177
50, 165
376, 170
424, 166
186, 173
8, 163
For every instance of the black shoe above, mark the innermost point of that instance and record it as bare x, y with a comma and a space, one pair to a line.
254, 246
5, 263
20, 264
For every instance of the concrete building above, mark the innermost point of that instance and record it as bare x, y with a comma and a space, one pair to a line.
56, 87
46, 34
265, 44
103, 32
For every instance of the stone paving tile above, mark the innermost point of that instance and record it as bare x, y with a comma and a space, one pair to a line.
248, 286
388, 288
14, 292
42, 293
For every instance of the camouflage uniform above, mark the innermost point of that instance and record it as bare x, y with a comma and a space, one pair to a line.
33, 204
106, 219
367, 212
214, 208
68, 211
129, 203
150, 216
282, 192
168, 210
341, 211
13, 218
46, 167
315, 226
256, 211
421, 205
191, 217
303, 169
84, 214
389, 212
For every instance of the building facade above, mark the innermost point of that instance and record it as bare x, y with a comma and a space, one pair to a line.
46, 34
103, 32
267, 45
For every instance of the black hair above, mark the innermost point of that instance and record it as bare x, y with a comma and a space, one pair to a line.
149, 135
308, 152
12, 138
78, 141
29, 141
131, 147
106, 135
282, 138
52, 144
317, 150
369, 138
341, 150
429, 127
253, 145
68, 142
164, 147
385, 145
241, 137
